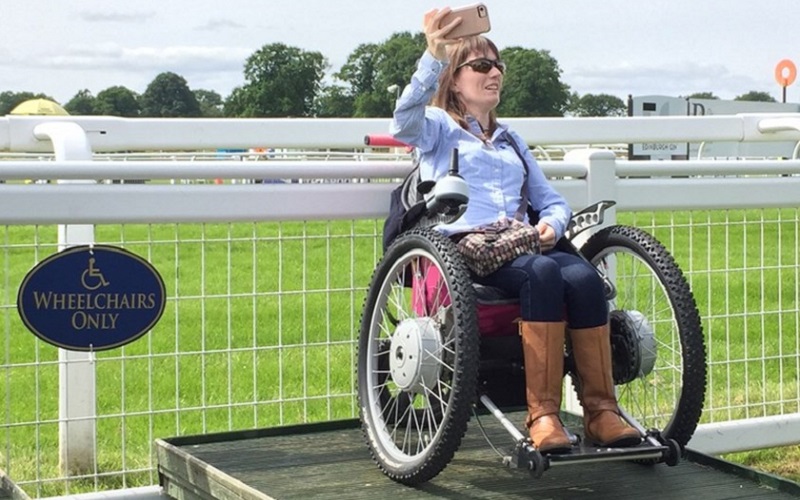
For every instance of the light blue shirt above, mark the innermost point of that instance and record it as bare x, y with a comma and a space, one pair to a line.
493, 170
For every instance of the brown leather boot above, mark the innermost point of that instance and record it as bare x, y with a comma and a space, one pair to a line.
543, 349
601, 419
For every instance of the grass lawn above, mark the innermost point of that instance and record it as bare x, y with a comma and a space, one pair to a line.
262, 319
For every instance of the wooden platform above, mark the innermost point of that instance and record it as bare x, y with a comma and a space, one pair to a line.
331, 460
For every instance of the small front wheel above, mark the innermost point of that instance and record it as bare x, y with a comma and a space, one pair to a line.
536, 464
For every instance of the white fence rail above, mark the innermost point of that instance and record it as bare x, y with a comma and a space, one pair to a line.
254, 339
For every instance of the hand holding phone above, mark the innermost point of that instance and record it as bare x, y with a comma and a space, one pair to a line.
474, 21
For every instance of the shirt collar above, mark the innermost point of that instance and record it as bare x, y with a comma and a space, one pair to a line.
474, 125
476, 129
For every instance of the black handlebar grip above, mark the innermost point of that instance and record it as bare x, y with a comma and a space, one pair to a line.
454, 162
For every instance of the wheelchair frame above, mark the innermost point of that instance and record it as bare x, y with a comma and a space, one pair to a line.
423, 364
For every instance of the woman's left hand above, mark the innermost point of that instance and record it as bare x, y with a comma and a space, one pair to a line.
547, 236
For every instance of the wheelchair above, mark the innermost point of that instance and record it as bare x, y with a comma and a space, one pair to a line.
435, 348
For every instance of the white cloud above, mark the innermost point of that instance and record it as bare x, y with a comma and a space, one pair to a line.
110, 56
117, 17
218, 25
682, 78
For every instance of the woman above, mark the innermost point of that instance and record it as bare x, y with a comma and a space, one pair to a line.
559, 293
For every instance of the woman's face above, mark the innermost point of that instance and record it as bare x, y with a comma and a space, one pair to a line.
479, 92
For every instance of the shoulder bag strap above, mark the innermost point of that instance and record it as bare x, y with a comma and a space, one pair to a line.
523, 206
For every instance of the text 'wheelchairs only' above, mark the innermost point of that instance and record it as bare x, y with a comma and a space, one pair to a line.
433, 344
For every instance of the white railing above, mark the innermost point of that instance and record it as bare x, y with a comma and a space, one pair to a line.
89, 148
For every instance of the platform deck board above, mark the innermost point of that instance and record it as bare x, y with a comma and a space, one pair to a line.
332, 461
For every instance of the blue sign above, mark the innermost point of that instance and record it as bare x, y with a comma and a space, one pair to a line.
91, 298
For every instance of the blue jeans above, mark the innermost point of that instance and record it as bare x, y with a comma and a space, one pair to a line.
553, 287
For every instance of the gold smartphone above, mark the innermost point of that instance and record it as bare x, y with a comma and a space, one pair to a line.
474, 21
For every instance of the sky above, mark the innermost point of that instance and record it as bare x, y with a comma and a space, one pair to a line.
617, 47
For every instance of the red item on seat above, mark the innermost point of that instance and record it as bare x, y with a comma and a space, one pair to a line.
494, 319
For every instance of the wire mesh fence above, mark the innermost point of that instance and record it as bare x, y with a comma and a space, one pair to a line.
262, 318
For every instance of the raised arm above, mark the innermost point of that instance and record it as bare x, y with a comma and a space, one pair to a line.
409, 123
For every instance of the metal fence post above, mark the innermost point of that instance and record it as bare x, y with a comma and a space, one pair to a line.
77, 399
601, 177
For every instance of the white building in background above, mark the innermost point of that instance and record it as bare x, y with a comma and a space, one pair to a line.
659, 105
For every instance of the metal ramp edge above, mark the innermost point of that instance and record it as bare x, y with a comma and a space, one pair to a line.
9, 490
330, 459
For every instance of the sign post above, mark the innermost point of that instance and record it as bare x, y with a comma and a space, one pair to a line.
77, 420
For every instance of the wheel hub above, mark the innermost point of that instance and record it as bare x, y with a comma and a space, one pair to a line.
633, 346
414, 355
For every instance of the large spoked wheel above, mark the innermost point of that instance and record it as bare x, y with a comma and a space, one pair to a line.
657, 337
418, 357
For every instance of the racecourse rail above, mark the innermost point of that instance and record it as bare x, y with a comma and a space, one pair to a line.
321, 170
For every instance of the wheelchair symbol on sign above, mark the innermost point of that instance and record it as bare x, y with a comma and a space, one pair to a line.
92, 278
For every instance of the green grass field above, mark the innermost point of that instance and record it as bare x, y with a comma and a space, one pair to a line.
262, 319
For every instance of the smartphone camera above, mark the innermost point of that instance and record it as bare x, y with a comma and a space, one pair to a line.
481, 11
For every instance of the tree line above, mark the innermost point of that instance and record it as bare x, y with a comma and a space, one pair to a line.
285, 81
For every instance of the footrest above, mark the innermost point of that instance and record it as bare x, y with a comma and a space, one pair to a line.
585, 452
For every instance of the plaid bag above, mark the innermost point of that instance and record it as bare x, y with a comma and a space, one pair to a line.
489, 247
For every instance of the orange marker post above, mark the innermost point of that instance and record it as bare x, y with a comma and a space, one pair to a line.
785, 74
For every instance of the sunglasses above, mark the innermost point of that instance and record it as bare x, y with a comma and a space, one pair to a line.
484, 65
